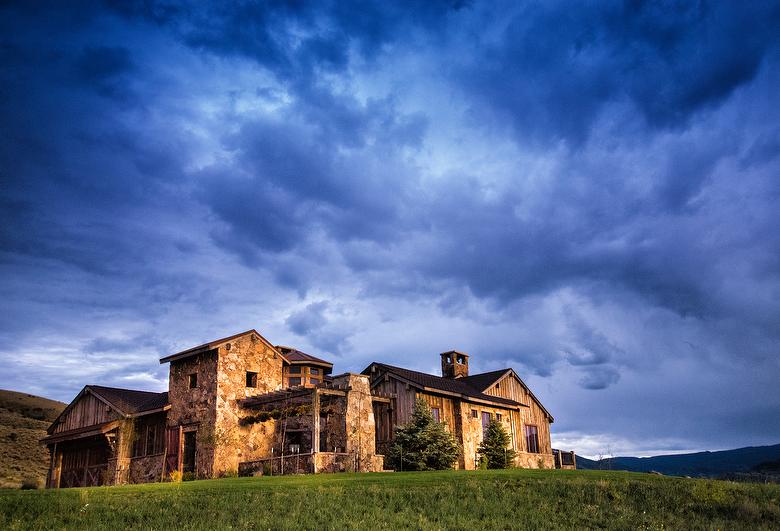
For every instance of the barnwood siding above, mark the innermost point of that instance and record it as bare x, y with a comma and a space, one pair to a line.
88, 411
403, 404
446, 409
510, 387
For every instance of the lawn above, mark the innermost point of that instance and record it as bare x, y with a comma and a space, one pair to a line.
526, 499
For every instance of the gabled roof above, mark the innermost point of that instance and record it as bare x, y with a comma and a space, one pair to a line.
484, 380
297, 357
130, 401
446, 385
194, 351
511, 372
126, 402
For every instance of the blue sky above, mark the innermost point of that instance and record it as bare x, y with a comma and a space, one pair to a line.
586, 192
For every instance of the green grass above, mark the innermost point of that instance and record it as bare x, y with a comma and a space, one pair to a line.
524, 499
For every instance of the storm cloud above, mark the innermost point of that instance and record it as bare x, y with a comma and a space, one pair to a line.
585, 192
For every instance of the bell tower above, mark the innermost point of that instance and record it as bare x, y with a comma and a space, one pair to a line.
454, 364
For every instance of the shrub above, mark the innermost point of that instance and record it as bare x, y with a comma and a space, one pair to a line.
175, 476
423, 443
30, 484
494, 448
188, 476
229, 474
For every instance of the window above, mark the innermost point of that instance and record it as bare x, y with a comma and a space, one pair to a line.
294, 382
532, 439
314, 381
314, 370
149, 440
193, 380
474, 414
485, 421
295, 369
251, 379
498, 417
435, 412
461, 360
498, 386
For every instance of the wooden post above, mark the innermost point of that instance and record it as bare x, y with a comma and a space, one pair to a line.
315, 437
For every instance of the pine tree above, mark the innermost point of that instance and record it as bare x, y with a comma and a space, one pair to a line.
494, 448
423, 443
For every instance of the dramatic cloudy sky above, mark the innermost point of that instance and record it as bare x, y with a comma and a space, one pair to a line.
586, 192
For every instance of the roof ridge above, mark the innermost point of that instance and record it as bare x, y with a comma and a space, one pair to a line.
126, 389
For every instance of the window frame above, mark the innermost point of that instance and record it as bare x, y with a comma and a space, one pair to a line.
531, 433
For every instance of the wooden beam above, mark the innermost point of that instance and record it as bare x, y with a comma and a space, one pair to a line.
333, 392
382, 399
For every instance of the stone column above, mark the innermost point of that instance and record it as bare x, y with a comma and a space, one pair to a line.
361, 428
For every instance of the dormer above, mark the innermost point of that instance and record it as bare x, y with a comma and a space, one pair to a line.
454, 364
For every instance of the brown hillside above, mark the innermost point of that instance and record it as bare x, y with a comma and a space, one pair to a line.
23, 422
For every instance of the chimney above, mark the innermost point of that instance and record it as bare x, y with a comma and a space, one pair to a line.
454, 364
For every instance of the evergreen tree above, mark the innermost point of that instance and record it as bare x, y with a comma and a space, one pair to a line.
494, 448
423, 443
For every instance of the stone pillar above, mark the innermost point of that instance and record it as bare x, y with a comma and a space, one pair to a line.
359, 418
315, 436
121, 443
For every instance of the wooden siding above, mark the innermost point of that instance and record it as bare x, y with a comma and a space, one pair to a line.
88, 411
446, 409
510, 387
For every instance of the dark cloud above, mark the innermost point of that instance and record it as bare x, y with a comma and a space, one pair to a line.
585, 192
553, 68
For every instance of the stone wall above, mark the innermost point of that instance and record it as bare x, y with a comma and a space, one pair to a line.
233, 442
195, 407
145, 469
471, 431
531, 460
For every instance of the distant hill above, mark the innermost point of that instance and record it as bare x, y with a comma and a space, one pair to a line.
710, 464
23, 422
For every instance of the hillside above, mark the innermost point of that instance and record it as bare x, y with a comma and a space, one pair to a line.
490, 499
23, 421
707, 464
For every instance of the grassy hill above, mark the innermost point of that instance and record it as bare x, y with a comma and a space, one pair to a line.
697, 464
23, 421
502, 499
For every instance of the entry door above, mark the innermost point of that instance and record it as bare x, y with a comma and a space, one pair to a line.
188, 459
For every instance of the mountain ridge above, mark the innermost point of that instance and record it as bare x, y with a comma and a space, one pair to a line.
700, 464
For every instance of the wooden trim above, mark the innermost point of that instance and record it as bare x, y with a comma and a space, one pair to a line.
149, 412
80, 433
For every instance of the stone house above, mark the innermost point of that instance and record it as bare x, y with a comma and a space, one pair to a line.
240, 405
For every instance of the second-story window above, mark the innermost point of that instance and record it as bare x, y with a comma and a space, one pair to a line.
435, 413
251, 379
193, 380
314, 370
295, 369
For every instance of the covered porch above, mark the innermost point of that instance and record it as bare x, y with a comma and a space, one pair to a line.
327, 428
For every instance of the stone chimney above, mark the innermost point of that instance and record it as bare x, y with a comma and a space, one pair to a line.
454, 364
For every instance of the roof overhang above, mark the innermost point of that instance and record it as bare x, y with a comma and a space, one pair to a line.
200, 349
81, 433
